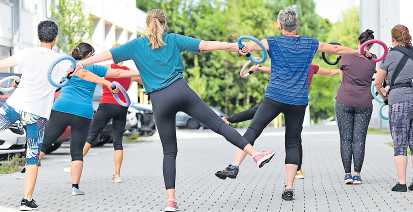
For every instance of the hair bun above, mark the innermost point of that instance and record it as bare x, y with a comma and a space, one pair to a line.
369, 31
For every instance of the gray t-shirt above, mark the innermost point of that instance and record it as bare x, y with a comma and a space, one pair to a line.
406, 75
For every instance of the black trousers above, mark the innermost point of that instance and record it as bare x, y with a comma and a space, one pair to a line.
179, 97
243, 115
79, 127
103, 115
294, 117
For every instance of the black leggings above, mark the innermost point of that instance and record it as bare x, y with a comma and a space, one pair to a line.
103, 115
353, 123
243, 115
179, 97
294, 117
79, 127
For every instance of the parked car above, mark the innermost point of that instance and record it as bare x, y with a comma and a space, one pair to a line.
140, 120
13, 139
184, 120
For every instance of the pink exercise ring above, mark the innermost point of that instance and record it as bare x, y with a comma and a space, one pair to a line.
363, 46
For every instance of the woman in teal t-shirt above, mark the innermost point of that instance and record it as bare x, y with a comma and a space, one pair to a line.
158, 58
74, 108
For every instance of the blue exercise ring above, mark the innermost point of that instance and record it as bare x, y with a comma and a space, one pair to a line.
51, 68
258, 42
123, 92
382, 116
375, 95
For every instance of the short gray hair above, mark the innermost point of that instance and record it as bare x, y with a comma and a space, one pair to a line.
288, 19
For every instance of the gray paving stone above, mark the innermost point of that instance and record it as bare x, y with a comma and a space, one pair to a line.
201, 153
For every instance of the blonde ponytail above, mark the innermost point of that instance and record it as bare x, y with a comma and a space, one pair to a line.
155, 28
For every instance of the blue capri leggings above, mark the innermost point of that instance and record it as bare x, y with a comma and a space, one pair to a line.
34, 126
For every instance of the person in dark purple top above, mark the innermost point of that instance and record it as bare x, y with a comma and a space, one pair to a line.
354, 108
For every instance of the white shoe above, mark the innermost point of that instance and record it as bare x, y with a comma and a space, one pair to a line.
116, 179
76, 192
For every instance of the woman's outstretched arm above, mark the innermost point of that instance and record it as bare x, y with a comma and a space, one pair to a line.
336, 49
103, 56
207, 46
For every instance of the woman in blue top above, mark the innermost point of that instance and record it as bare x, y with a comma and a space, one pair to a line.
157, 56
287, 90
74, 108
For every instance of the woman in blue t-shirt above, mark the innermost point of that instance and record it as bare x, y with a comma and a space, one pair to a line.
158, 58
287, 90
74, 108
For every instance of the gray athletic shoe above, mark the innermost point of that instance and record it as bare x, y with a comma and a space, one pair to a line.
76, 192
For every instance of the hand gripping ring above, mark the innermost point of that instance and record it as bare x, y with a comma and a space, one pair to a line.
363, 46
258, 42
323, 55
7, 79
65, 79
126, 103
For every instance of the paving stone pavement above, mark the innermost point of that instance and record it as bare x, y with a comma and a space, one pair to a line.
201, 153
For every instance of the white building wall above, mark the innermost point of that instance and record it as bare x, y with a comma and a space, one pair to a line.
115, 22
380, 16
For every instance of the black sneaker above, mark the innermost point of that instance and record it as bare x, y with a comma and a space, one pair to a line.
231, 171
411, 187
399, 188
26, 205
288, 195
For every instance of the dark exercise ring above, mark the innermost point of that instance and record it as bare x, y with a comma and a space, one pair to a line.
323, 55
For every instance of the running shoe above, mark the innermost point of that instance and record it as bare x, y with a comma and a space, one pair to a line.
411, 187
171, 206
116, 179
76, 192
26, 205
348, 179
263, 157
299, 175
288, 195
399, 188
357, 180
230, 171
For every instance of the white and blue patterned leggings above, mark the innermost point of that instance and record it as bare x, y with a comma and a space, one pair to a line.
34, 126
353, 123
401, 127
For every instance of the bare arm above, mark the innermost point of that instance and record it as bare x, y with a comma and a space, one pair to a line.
378, 81
207, 46
103, 56
121, 73
91, 77
328, 72
8, 63
251, 46
336, 49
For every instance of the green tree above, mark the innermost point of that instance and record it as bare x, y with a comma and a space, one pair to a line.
74, 25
